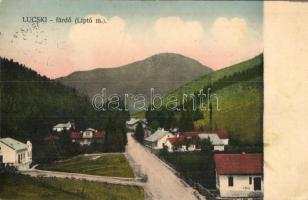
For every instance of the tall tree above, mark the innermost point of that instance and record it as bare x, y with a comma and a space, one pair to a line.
186, 121
139, 133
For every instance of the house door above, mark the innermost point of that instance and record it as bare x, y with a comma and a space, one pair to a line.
1, 159
257, 183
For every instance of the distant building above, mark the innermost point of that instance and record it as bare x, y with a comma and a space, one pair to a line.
222, 134
215, 140
15, 153
132, 123
88, 137
76, 136
158, 139
88, 133
239, 175
52, 138
64, 127
189, 134
178, 143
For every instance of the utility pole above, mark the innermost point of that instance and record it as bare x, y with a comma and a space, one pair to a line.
210, 105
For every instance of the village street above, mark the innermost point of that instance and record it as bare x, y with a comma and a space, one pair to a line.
162, 183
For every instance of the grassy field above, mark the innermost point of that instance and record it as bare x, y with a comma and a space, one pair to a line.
241, 112
106, 165
24, 187
197, 166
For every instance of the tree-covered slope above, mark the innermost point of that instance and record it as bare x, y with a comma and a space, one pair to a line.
31, 104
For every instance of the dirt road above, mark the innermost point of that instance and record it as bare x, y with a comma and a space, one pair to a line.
162, 183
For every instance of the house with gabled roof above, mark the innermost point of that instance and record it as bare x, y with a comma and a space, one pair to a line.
214, 139
88, 137
64, 127
222, 134
15, 153
239, 175
177, 143
158, 139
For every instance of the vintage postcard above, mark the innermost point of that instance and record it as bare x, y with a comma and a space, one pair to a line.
136, 100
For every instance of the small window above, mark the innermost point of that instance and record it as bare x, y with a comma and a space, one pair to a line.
250, 180
230, 181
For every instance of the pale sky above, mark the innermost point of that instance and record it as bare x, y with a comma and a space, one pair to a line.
217, 34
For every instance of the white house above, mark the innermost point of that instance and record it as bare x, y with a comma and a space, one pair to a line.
215, 140
239, 175
88, 133
15, 153
87, 136
158, 139
64, 126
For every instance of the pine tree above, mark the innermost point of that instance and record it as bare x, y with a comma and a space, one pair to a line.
139, 133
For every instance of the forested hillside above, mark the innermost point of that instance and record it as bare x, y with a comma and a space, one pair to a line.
31, 104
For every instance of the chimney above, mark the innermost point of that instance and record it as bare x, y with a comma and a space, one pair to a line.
29, 145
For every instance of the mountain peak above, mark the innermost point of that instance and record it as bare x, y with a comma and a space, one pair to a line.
164, 72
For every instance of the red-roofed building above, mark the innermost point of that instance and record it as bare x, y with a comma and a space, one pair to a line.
222, 134
239, 175
88, 136
99, 134
190, 134
172, 145
75, 136
218, 138
52, 138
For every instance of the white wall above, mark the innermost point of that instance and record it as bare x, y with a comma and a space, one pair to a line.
58, 129
169, 145
162, 141
8, 154
10, 157
225, 141
192, 147
240, 188
87, 134
219, 148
